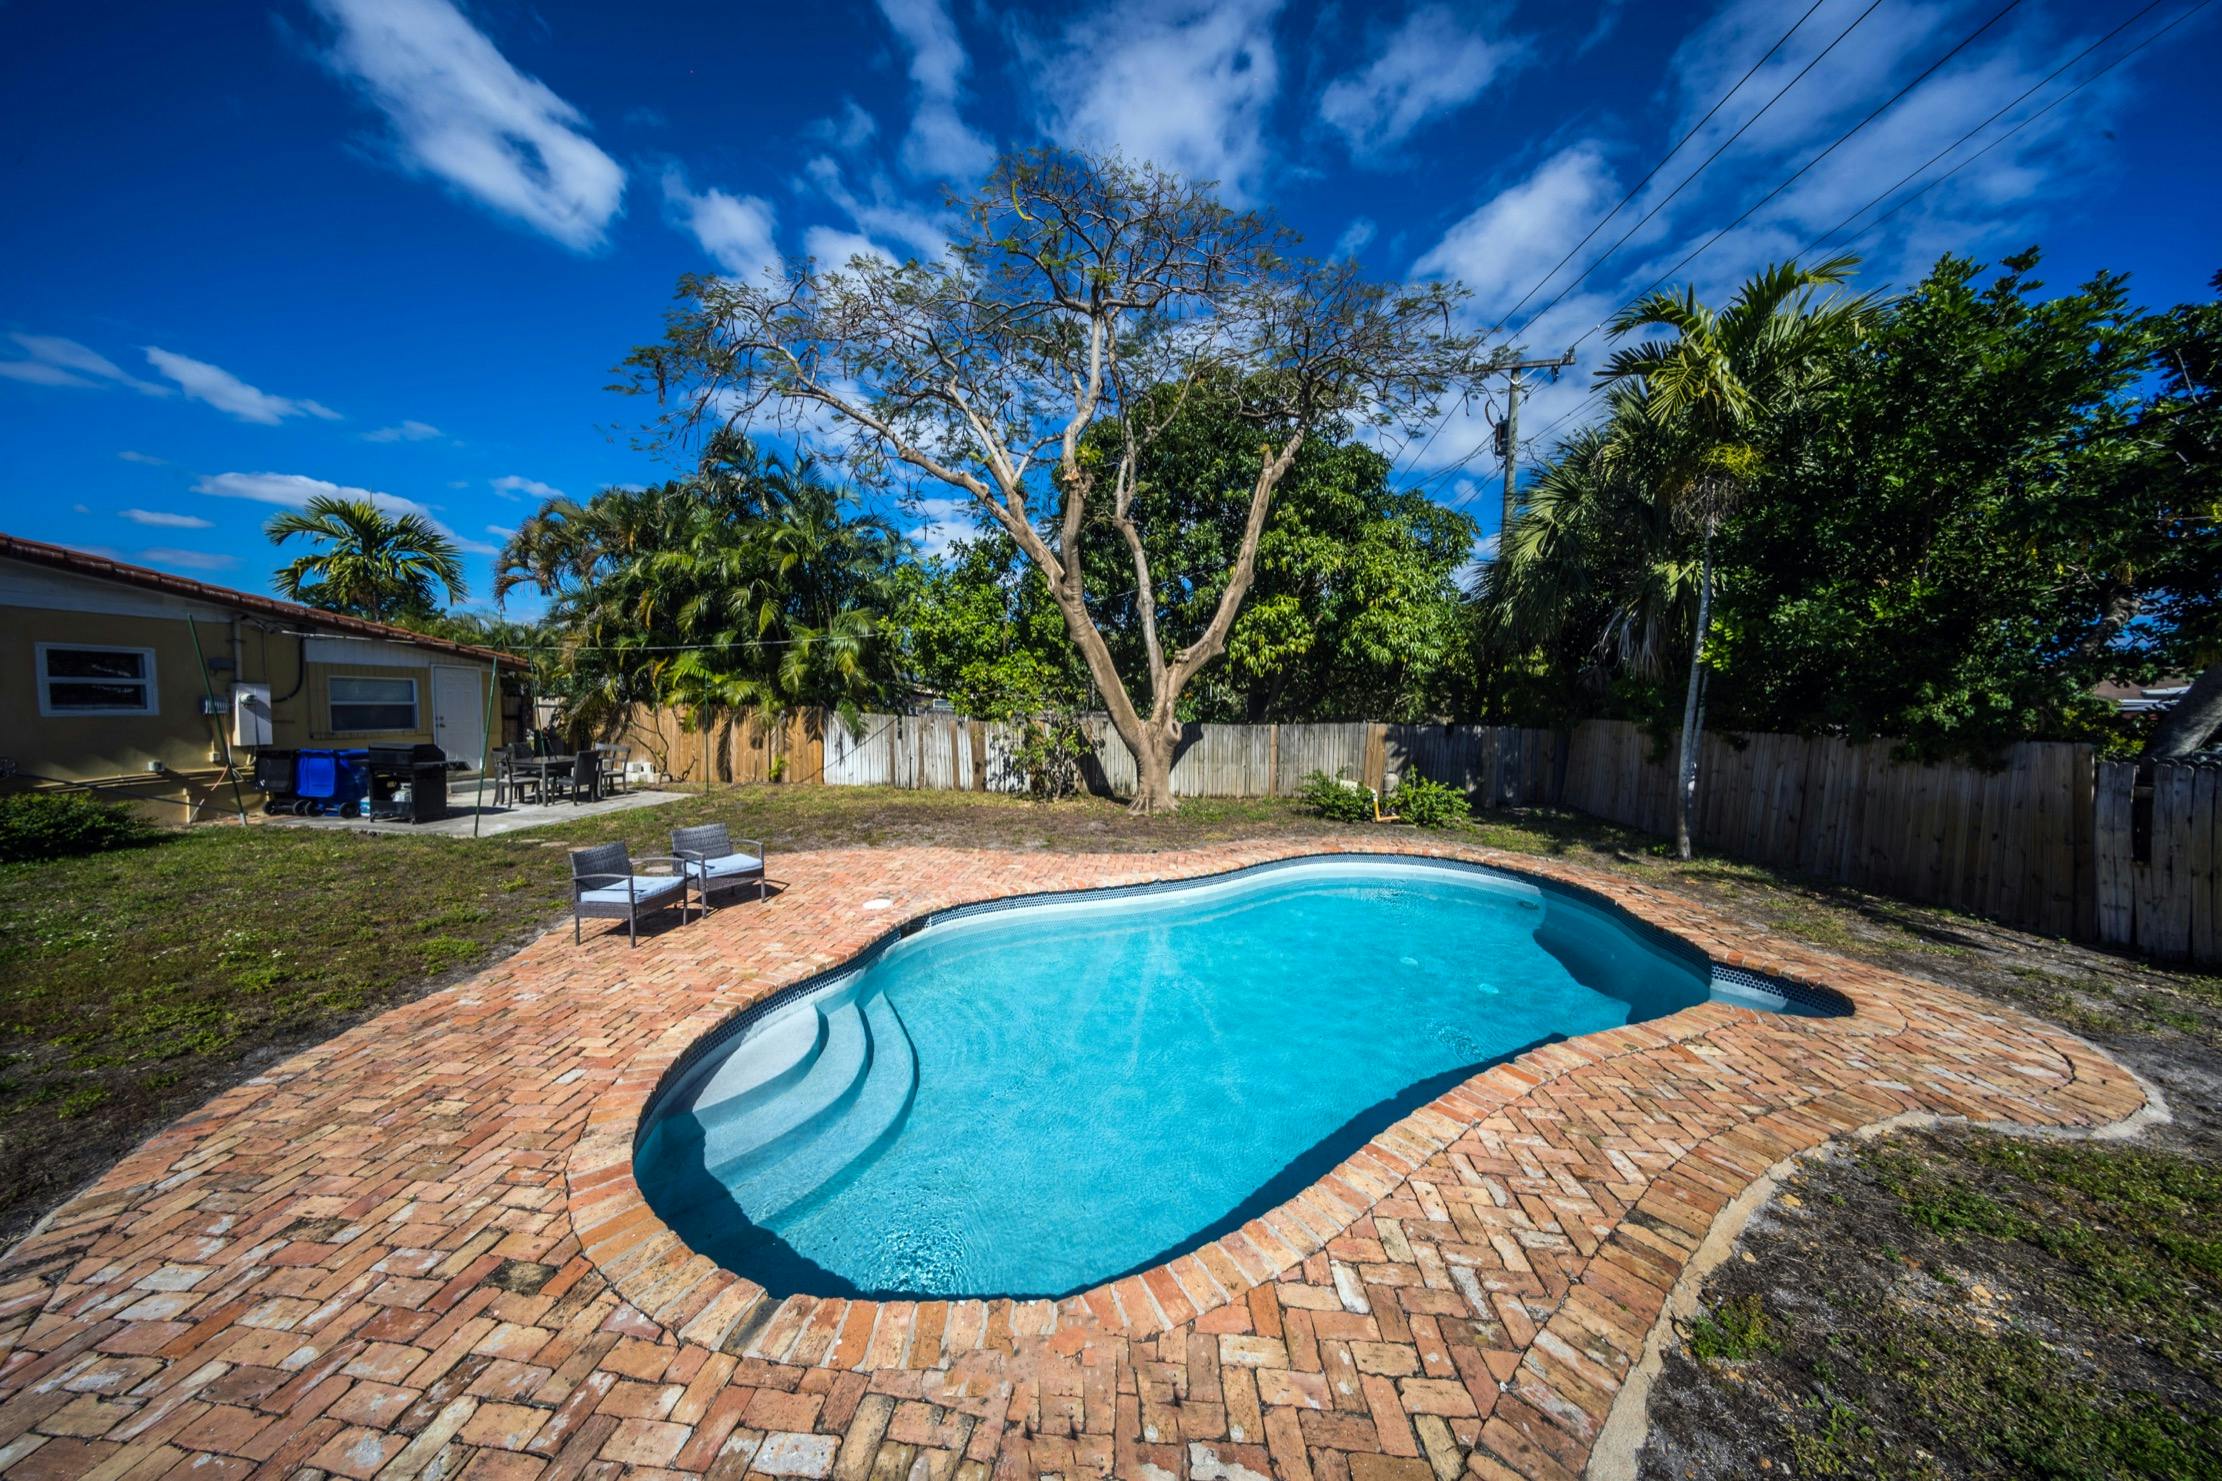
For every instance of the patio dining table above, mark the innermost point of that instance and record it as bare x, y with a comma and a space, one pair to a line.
544, 767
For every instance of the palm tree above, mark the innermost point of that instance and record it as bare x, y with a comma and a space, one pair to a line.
1714, 386
372, 564
752, 586
1592, 569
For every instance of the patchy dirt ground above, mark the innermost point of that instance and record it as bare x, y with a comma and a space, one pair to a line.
1956, 1303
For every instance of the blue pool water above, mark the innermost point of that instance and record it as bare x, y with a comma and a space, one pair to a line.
1032, 1101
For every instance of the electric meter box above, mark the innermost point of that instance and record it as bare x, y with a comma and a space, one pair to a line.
250, 715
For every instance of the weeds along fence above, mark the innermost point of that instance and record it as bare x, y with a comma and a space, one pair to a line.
2050, 841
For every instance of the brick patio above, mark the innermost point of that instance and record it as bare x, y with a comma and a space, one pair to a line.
418, 1249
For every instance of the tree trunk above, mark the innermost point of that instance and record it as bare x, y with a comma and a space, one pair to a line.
1693, 708
1153, 774
2186, 725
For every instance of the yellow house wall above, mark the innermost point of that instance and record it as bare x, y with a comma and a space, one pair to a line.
114, 751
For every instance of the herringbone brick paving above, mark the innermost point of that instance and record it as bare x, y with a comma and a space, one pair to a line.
417, 1249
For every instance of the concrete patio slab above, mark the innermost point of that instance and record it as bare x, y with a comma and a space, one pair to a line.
491, 820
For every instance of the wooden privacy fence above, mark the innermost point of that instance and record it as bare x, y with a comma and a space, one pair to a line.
2049, 841
2160, 860
2014, 844
1504, 766
739, 749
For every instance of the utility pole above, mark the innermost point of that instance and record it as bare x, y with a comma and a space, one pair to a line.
1508, 436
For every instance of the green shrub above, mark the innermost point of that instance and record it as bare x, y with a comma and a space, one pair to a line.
49, 825
1047, 752
1336, 799
1426, 804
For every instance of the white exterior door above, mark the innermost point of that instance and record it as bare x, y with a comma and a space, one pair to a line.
459, 713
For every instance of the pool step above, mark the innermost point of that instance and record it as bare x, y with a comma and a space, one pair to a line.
817, 1155
832, 1080
770, 1059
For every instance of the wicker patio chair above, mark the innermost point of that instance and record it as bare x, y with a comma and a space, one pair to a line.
605, 886
716, 862
586, 776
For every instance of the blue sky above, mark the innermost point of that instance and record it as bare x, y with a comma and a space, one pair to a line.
397, 245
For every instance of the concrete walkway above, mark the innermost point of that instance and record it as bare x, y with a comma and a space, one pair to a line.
491, 820
418, 1249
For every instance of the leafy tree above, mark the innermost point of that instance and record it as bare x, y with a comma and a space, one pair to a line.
1994, 500
1080, 289
1953, 541
1714, 386
984, 634
1593, 587
2181, 626
1354, 608
371, 564
751, 586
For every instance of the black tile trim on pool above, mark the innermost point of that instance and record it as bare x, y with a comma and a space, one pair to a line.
1819, 1001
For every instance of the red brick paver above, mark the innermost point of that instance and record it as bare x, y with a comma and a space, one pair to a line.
418, 1248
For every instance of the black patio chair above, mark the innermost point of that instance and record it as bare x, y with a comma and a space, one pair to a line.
605, 886
586, 776
716, 861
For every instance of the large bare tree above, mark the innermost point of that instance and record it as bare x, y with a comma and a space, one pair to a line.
1079, 288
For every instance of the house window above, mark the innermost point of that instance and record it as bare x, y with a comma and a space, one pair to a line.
78, 679
374, 704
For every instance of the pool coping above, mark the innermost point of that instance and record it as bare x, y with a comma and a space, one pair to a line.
653, 1267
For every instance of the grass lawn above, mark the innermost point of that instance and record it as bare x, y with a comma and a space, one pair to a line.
135, 985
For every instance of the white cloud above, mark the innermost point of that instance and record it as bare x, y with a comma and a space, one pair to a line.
461, 112
149, 459
55, 361
940, 142
1183, 84
40, 373
1496, 250
885, 217
848, 131
1355, 237
407, 431
228, 393
512, 486
736, 230
942, 523
188, 560
831, 248
500, 532
1608, 21
1433, 64
294, 490
164, 520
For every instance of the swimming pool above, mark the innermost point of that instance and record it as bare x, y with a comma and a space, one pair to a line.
1033, 1099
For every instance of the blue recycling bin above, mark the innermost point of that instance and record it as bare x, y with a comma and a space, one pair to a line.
335, 781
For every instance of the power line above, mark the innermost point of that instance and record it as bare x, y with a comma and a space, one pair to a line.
1606, 255
1649, 174
1841, 139
2017, 128
1604, 220
1956, 144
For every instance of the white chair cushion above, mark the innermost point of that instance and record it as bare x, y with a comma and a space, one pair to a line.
646, 887
731, 864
